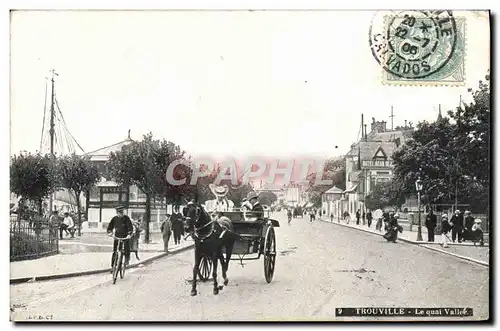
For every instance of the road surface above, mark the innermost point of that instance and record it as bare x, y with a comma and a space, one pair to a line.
320, 267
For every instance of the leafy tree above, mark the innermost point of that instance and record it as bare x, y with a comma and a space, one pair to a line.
135, 165
334, 169
164, 153
428, 156
383, 195
267, 198
451, 155
77, 174
33, 177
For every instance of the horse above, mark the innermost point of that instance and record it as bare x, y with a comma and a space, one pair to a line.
209, 236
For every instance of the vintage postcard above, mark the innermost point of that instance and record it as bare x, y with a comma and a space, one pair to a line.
250, 165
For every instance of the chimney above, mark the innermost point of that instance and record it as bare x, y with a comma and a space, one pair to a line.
366, 139
405, 124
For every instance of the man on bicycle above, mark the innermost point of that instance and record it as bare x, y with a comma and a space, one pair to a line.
123, 227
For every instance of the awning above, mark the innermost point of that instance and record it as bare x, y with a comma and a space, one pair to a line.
352, 188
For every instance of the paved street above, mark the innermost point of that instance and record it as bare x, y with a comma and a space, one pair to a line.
320, 267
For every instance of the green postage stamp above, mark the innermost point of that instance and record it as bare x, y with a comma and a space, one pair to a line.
419, 47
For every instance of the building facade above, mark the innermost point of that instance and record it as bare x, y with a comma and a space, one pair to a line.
104, 197
331, 202
369, 162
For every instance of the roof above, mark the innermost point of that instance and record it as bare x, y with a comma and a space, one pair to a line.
352, 188
368, 149
334, 190
105, 151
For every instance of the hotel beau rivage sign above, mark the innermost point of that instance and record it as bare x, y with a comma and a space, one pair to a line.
377, 164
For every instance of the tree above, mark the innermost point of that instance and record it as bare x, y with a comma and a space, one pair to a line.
334, 169
33, 177
383, 195
77, 174
267, 198
135, 165
451, 155
427, 155
164, 153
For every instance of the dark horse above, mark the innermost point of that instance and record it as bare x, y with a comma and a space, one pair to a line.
210, 236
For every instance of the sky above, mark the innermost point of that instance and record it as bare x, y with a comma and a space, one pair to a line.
217, 82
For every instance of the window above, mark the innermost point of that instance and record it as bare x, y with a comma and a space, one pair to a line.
94, 193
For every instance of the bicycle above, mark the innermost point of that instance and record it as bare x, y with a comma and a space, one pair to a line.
119, 262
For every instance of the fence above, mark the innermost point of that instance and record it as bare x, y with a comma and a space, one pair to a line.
32, 239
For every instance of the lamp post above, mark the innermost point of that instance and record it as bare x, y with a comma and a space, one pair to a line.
418, 185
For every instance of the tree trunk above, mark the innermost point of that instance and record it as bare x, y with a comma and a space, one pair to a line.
77, 194
147, 218
39, 205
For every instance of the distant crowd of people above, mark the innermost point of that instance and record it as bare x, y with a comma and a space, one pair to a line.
461, 225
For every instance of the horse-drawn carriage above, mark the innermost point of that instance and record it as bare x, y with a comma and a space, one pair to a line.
254, 237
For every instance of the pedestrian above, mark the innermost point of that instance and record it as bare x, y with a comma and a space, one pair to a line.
136, 235
331, 217
311, 216
393, 228
477, 232
445, 228
458, 223
166, 230
358, 215
364, 217
177, 225
469, 223
430, 224
369, 217
66, 226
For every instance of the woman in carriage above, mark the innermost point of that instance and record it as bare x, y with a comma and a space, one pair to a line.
221, 202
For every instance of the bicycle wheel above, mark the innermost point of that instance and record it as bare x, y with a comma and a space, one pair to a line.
122, 266
116, 266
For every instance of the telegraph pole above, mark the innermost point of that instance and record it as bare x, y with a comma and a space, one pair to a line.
392, 118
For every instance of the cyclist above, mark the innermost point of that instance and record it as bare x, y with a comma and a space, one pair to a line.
122, 225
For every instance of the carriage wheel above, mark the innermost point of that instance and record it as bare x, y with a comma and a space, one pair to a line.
269, 254
205, 268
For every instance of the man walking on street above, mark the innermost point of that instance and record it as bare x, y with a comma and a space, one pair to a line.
430, 223
358, 215
369, 217
458, 223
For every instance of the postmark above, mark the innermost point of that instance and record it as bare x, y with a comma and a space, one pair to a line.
418, 46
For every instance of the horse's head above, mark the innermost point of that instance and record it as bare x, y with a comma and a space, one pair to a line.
195, 217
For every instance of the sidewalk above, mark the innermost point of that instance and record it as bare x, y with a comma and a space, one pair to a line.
88, 254
465, 251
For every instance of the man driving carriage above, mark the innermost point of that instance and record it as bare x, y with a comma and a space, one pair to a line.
254, 205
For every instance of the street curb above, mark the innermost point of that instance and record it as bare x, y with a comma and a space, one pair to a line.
423, 244
486, 264
97, 271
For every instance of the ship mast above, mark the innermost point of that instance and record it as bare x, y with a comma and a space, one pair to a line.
52, 125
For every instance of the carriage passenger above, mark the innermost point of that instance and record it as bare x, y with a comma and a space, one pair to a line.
221, 202
257, 208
